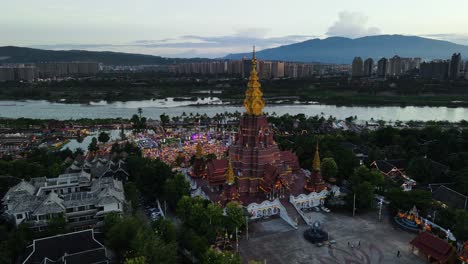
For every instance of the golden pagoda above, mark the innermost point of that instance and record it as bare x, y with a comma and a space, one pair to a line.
253, 102
315, 183
230, 174
198, 151
316, 162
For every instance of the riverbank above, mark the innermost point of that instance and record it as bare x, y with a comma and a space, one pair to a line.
330, 91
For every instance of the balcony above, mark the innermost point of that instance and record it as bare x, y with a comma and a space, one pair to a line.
80, 213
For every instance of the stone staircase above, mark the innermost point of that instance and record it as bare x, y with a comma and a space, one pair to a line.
292, 212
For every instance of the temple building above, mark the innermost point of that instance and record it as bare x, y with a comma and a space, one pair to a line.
260, 170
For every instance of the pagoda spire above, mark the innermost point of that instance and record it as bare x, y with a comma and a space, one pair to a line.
316, 162
198, 151
230, 174
253, 102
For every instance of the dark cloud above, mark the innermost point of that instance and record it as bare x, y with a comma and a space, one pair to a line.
352, 24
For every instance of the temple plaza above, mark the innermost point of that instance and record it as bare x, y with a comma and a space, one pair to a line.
277, 242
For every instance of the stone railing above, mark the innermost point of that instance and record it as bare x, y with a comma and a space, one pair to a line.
269, 208
307, 201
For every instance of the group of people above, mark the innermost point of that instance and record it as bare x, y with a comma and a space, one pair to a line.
359, 245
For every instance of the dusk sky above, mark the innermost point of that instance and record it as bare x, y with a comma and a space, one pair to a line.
213, 28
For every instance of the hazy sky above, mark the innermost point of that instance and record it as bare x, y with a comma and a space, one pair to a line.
217, 27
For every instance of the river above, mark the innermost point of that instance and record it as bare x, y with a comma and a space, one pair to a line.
153, 108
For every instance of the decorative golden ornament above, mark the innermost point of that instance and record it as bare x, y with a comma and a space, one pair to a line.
253, 102
230, 174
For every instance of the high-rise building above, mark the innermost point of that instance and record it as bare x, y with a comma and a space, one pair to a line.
395, 67
368, 67
434, 70
455, 66
25, 73
277, 69
357, 67
466, 70
7, 74
382, 67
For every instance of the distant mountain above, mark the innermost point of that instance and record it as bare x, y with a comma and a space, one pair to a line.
12, 54
343, 50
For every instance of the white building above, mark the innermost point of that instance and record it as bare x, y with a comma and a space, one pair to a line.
80, 199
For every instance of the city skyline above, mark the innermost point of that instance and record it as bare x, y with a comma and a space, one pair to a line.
210, 29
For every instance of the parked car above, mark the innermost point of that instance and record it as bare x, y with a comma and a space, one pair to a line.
325, 209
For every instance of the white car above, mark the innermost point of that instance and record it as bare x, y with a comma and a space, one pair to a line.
325, 209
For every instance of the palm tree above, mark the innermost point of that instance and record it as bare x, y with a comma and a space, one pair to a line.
140, 111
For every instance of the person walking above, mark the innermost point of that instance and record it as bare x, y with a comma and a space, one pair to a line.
398, 254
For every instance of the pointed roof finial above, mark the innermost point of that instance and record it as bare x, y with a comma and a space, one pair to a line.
230, 174
316, 162
253, 101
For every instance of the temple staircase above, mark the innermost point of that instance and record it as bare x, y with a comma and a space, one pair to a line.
292, 213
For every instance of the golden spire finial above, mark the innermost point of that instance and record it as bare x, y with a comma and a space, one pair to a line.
253, 102
316, 162
230, 174
198, 151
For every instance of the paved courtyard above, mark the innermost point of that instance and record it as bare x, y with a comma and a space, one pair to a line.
275, 241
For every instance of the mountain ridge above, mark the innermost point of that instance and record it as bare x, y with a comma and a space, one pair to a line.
343, 50
15, 54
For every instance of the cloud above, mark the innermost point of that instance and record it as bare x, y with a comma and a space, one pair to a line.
452, 37
193, 45
353, 25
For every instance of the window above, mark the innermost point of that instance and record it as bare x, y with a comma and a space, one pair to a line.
69, 210
19, 216
81, 208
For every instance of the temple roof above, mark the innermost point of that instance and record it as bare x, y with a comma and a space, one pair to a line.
432, 246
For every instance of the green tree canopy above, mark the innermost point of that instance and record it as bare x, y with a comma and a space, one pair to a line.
329, 168
103, 137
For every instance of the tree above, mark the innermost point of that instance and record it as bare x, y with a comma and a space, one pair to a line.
215, 214
133, 195
164, 119
364, 195
93, 146
165, 229
234, 216
120, 236
175, 188
140, 111
103, 137
220, 257
420, 169
135, 260
56, 225
329, 168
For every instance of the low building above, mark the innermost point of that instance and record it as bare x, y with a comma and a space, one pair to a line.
71, 248
83, 201
450, 197
432, 248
